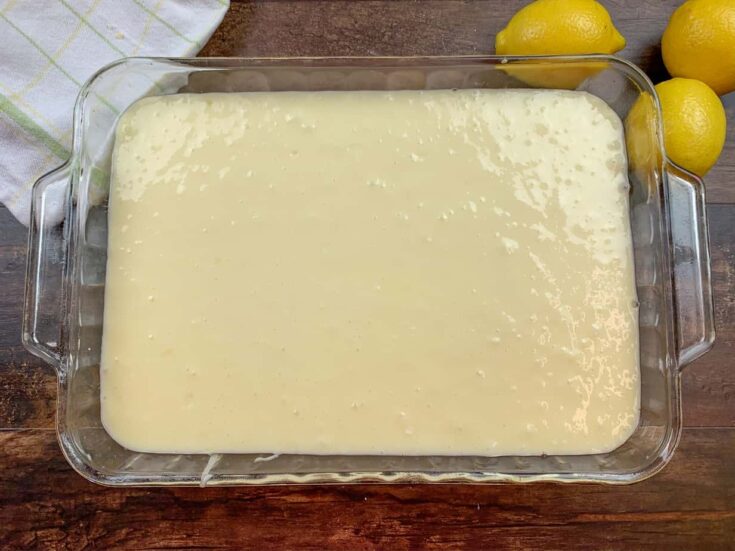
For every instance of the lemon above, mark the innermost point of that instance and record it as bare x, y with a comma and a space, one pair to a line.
560, 27
694, 123
699, 42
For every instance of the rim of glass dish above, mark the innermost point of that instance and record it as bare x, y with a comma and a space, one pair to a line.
75, 456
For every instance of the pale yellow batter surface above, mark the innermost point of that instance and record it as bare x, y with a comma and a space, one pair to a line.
439, 272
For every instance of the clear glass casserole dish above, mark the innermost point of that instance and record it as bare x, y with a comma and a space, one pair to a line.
67, 259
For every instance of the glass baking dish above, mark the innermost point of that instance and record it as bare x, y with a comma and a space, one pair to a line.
67, 258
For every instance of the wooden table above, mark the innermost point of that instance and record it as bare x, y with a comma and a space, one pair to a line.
691, 504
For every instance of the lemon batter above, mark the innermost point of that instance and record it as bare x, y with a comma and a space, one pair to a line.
435, 272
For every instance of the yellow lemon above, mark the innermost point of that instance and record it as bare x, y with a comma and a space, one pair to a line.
699, 42
558, 27
694, 123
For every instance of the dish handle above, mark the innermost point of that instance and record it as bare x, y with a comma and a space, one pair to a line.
43, 305
695, 328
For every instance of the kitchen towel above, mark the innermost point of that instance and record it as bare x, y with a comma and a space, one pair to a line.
49, 48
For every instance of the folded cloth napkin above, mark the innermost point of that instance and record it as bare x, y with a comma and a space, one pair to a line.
49, 48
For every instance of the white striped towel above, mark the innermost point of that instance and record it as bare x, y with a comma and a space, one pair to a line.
49, 48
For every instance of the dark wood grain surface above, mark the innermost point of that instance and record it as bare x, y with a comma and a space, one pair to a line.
690, 505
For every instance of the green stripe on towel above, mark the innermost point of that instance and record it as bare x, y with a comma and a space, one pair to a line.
27, 124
